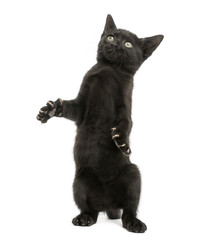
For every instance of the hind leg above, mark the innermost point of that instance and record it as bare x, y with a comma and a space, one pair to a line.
132, 186
87, 197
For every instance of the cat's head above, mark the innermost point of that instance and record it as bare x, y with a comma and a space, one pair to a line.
124, 49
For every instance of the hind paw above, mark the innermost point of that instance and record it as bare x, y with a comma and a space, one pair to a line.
135, 225
84, 219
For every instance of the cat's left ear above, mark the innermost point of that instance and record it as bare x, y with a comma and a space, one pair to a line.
149, 45
110, 25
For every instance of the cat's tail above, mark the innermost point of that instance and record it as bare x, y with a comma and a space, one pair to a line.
113, 213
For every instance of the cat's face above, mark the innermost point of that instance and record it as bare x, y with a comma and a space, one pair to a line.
120, 48
124, 49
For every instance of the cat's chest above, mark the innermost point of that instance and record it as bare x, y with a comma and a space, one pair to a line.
104, 91
110, 90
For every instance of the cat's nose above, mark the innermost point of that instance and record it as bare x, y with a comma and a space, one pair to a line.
114, 45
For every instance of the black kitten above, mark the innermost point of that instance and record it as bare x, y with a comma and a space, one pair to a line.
105, 179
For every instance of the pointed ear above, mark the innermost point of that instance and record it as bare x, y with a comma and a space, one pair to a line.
109, 24
149, 44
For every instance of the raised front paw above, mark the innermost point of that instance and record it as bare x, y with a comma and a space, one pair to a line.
50, 110
120, 141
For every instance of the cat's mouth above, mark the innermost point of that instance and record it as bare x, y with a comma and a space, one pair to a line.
111, 53
111, 50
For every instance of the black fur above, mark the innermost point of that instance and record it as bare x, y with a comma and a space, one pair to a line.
105, 179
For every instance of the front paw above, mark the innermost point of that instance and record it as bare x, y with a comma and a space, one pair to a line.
120, 141
50, 110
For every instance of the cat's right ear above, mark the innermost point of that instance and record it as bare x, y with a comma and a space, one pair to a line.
149, 45
110, 25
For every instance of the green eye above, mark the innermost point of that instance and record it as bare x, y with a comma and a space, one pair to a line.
128, 45
110, 38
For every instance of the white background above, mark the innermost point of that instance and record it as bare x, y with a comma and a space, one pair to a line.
45, 49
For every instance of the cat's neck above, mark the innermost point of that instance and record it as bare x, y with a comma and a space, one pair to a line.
127, 71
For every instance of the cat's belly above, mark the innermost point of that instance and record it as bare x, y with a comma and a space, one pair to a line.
97, 150
100, 162
92, 144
